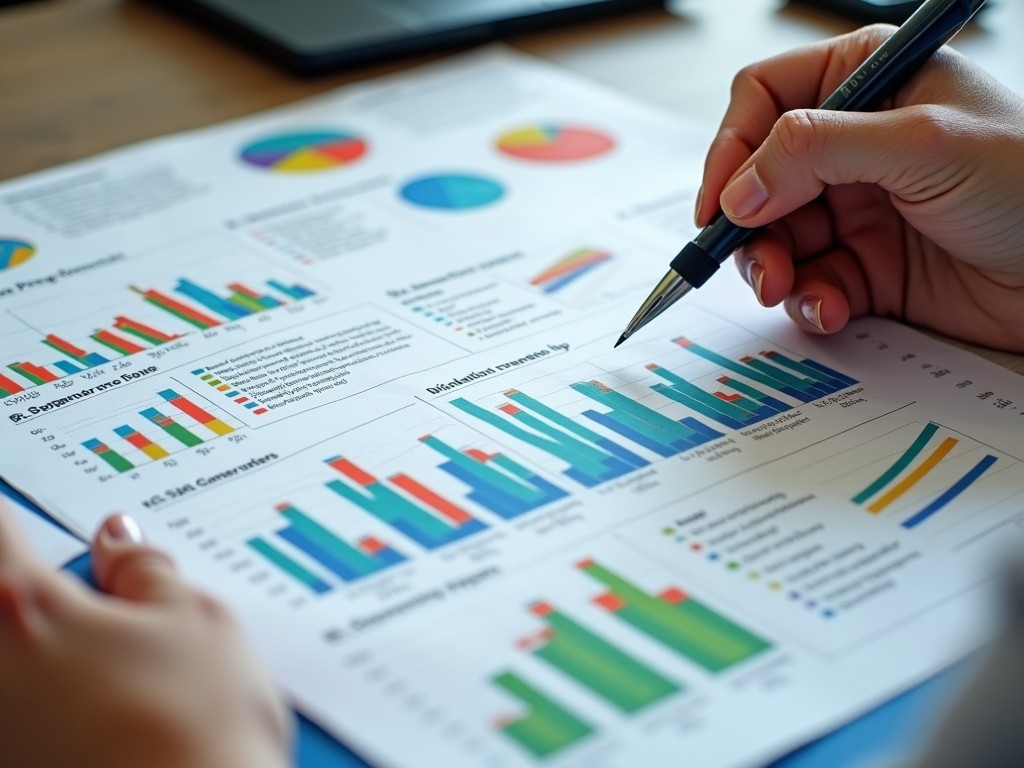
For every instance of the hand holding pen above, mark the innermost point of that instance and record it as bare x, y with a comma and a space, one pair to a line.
913, 210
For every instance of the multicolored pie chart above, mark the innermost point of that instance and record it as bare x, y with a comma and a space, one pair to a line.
452, 191
304, 151
14, 253
549, 143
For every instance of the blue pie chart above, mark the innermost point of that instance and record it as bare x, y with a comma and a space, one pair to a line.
452, 191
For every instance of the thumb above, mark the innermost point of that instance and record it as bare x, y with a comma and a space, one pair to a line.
126, 567
905, 151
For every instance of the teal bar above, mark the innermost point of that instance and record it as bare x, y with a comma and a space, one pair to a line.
488, 475
643, 418
289, 566
554, 416
682, 386
729, 365
787, 379
384, 504
806, 370
346, 553
587, 459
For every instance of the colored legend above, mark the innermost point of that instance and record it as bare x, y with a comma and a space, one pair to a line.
236, 395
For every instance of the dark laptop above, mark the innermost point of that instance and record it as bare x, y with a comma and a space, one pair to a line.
311, 36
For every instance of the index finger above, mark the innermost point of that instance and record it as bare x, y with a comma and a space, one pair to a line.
764, 91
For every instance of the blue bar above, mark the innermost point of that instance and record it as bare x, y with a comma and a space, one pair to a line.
211, 300
609, 421
293, 291
829, 372
321, 555
93, 359
68, 368
959, 487
699, 407
701, 428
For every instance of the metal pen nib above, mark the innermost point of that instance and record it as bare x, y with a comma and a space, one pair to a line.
670, 290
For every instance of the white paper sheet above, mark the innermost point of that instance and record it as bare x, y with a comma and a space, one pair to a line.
357, 375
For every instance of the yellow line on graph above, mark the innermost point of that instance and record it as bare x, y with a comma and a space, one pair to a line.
914, 477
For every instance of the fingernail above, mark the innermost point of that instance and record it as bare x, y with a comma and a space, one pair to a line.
745, 196
696, 209
810, 308
124, 529
755, 276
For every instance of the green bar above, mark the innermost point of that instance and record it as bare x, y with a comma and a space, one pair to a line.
116, 460
689, 627
54, 347
493, 477
286, 564
547, 727
142, 335
21, 372
900, 464
246, 302
604, 668
194, 321
349, 555
110, 345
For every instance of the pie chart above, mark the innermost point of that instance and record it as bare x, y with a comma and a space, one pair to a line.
549, 143
452, 191
304, 151
14, 252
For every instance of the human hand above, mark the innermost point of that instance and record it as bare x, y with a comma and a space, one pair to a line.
915, 211
151, 674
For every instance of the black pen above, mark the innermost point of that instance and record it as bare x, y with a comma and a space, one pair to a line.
879, 77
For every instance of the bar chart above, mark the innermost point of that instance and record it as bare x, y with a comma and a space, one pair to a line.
304, 548
173, 423
545, 727
757, 389
611, 673
677, 620
152, 318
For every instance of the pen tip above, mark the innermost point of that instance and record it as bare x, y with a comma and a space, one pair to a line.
622, 338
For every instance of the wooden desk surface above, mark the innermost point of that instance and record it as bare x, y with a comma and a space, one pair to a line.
80, 77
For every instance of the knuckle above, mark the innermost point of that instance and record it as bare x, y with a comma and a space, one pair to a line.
798, 133
933, 128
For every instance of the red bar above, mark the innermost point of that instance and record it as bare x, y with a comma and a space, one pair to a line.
540, 608
352, 472
652, 367
674, 595
66, 346
244, 291
191, 409
259, 411
125, 322
128, 347
727, 398
482, 456
746, 358
35, 370
723, 379
610, 602
456, 514
372, 546
511, 392
682, 341
284, 506
600, 386
585, 563
9, 385
510, 409
241, 400
177, 306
